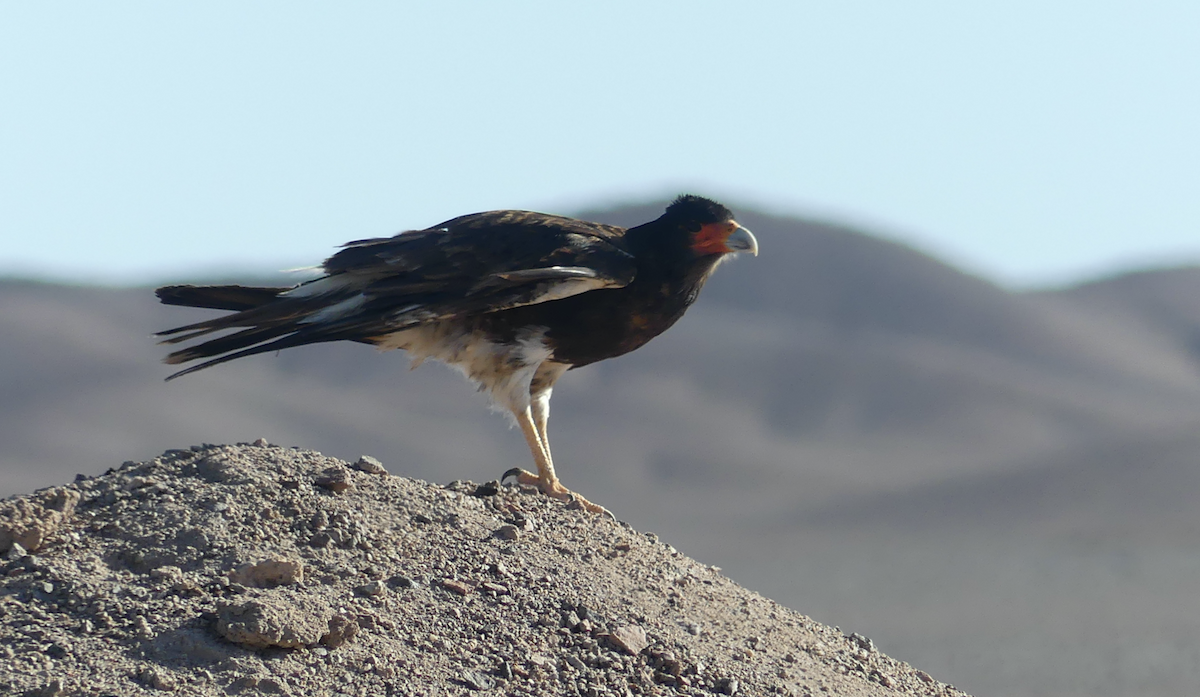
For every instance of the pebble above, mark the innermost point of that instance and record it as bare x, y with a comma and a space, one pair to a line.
457, 586
373, 589
630, 638
370, 465
335, 479
477, 680
862, 641
507, 532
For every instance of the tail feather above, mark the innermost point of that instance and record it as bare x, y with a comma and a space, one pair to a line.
295, 339
230, 342
235, 298
265, 320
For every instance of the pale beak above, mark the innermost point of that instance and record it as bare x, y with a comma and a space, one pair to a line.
741, 240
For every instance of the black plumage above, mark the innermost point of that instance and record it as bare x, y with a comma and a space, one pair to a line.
513, 299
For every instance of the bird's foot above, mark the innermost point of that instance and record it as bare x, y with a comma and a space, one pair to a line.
555, 489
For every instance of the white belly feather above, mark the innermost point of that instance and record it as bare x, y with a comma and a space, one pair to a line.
504, 370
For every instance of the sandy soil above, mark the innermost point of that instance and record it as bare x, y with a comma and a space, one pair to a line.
257, 569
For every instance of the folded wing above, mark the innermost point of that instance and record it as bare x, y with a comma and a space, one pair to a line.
471, 265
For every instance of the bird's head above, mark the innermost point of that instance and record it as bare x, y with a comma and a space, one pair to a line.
709, 227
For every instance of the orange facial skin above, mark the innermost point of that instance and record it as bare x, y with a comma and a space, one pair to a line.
711, 238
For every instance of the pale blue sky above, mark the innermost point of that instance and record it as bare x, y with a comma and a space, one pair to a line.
1031, 142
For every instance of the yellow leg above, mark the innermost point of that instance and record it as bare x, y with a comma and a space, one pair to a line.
534, 431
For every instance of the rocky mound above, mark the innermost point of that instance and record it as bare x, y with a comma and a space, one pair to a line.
265, 570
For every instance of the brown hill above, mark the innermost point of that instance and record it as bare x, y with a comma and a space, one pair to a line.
263, 570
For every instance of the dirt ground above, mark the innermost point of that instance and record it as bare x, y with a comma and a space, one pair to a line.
255, 569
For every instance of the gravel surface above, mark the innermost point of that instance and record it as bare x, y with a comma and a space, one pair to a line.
257, 569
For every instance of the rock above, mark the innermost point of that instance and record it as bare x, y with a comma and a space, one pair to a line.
477, 680
487, 489
258, 624
507, 532
370, 465
268, 573
55, 688
457, 586
158, 679
372, 589
341, 630
630, 638
335, 479
31, 522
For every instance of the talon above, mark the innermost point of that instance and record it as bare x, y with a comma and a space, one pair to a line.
514, 472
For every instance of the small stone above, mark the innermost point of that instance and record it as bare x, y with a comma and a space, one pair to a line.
630, 638
402, 582
505, 670
727, 686
341, 630
924, 677
269, 573
261, 443
256, 624
335, 479
372, 589
460, 587
487, 489
507, 532
47, 587
575, 662
158, 679
54, 688
862, 642
370, 465
476, 680
495, 588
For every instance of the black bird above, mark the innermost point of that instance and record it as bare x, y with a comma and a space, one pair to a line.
512, 299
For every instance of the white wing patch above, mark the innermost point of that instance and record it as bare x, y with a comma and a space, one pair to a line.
320, 286
336, 311
572, 286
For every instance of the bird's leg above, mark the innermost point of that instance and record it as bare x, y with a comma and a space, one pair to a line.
533, 426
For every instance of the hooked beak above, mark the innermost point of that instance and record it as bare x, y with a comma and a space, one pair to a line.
724, 238
741, 240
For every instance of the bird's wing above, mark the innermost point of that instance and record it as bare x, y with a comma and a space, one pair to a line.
482, 263
471, 265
